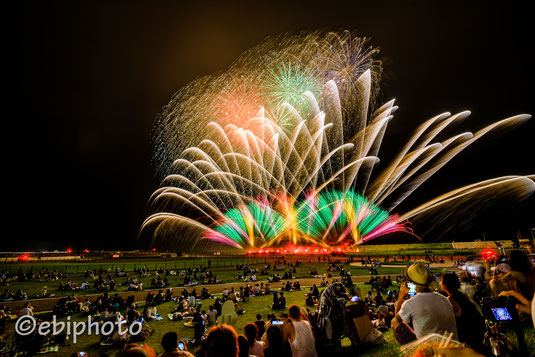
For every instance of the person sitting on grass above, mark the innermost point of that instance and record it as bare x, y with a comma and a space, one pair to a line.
288, 287
148, 313
205, 294
282, 301
7, 295
211, 315
170, 346
149, 298
382, 323
20, 295
311, 300
169, 294
44, 293
428, 311
159, 298
275, 304
218, 305
28, 310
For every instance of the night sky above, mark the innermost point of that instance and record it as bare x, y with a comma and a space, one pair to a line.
88, 80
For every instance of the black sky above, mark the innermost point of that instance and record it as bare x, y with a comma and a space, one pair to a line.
89, 78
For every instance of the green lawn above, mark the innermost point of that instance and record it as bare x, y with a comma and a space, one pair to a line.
226, 275
255, 305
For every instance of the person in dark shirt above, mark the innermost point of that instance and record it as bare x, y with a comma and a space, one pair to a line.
276, 303
198, 320
277, 347
470, 323
282, 301
261, 326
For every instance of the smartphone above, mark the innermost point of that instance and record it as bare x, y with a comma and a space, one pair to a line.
181, 346
412, 289
354, 298
82, 354
277, 322
501, 314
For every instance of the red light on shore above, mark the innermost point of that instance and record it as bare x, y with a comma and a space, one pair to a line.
23, 258
69, 250
338, 249
277, 250
316, 250
488, 254
86, 250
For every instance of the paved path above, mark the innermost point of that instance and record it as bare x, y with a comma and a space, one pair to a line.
448, 265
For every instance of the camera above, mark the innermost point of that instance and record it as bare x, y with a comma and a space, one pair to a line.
354, 298
181, 346
277, 322
499, 308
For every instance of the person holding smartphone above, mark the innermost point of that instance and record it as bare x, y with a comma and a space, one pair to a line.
173, 347
427, 311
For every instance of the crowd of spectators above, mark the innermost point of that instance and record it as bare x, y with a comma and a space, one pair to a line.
448, 303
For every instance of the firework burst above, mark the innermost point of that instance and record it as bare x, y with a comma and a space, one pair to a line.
272, 151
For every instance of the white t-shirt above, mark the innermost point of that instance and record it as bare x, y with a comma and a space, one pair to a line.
429, 312
26, 311
257, 349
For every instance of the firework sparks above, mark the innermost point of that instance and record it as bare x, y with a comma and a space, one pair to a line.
290, 122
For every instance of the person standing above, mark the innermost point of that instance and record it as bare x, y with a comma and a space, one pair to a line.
299, 333
256, 347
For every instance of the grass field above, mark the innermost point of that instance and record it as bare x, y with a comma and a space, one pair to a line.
225, 269
222, 267
255, 305
225, 274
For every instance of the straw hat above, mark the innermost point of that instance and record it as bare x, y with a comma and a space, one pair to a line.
418, 274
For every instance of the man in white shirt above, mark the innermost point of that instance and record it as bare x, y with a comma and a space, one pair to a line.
427, 311
27, 310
